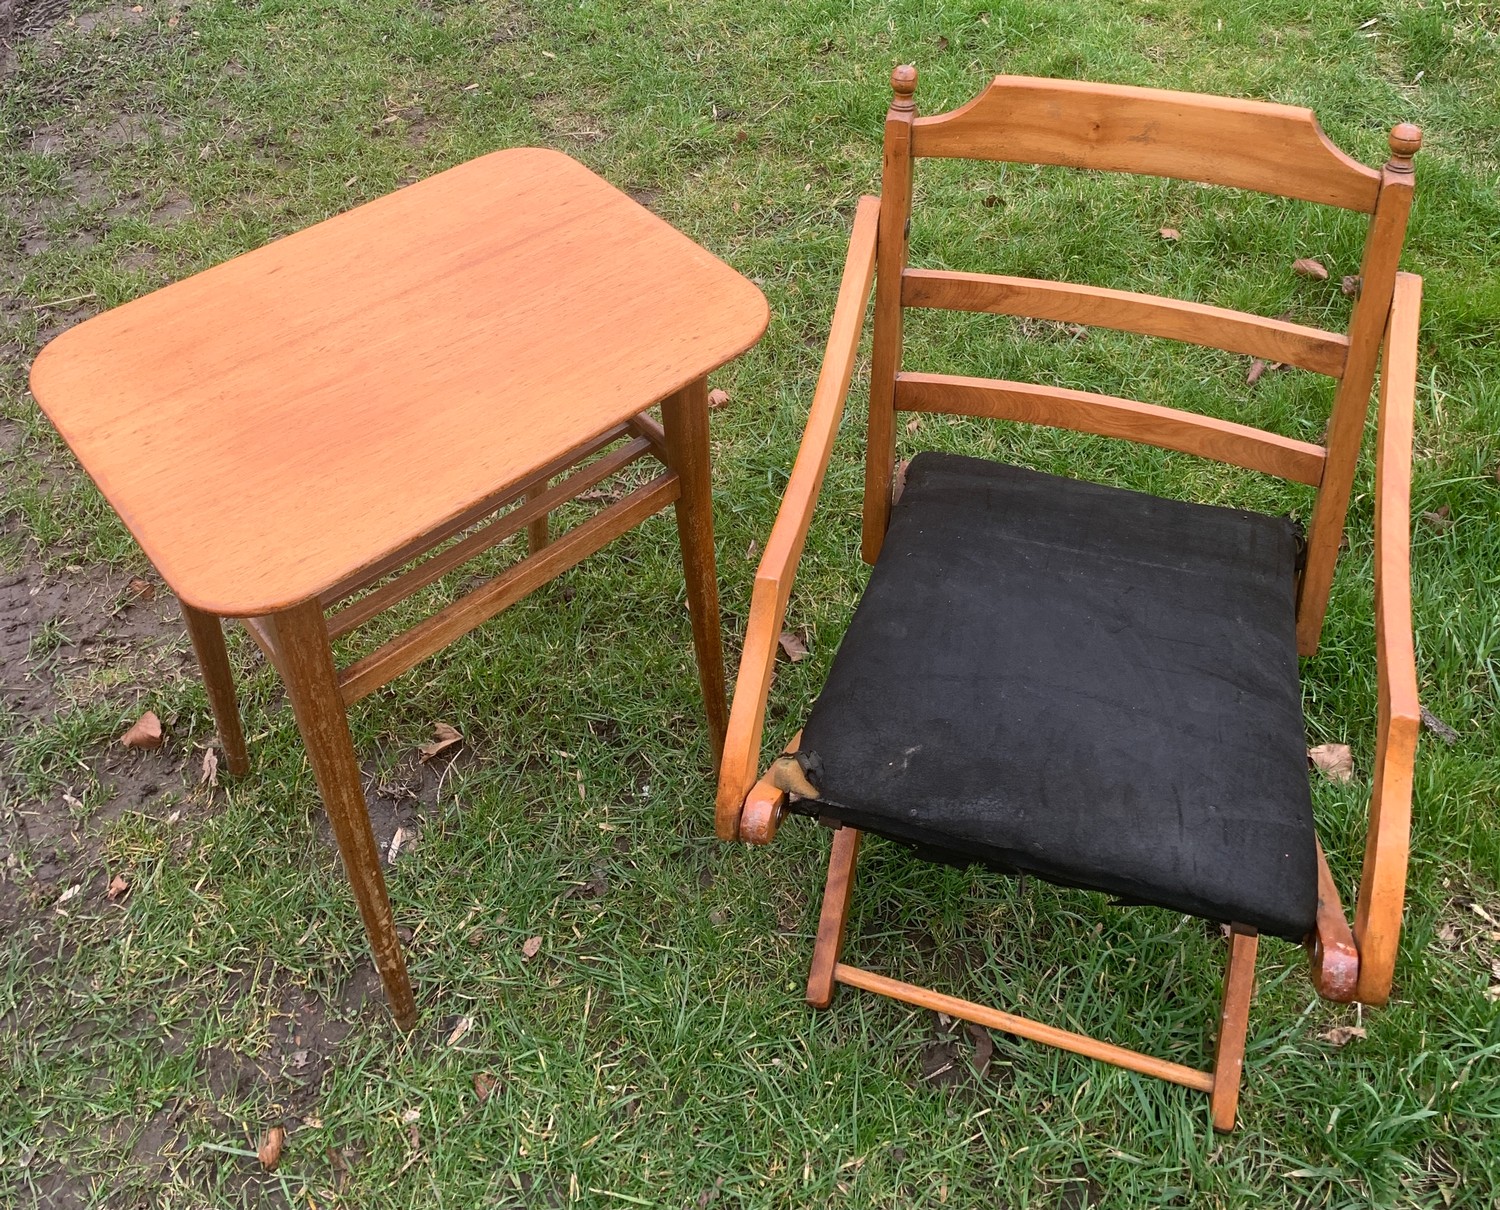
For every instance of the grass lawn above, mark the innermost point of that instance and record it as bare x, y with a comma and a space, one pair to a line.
655, 1050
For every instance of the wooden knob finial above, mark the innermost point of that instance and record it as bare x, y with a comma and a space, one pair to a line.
1406, 141
903, 85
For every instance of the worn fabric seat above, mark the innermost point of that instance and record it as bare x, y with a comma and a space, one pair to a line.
1095, 686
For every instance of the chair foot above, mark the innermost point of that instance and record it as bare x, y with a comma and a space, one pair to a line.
837, 894
1234, 1021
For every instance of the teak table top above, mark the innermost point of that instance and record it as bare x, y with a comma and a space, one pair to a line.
273, 425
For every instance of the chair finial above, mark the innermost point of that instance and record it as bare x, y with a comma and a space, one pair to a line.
903, 85
1406, 141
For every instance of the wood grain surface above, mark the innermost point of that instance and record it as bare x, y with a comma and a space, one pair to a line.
269, 427
1217, 140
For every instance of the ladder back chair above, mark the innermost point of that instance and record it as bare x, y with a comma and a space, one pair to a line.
1096, 686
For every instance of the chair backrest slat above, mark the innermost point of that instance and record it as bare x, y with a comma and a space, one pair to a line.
1145, 423
1147, 314
1277, 149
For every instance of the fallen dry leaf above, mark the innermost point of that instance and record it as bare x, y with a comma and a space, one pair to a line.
1305, 266
141, 590
1350, 286
793, 646
717, 399
898, 479
411, 1116
118, 886
1334, 761
752, 550
145, 733
1171, 234
460, 1028
1257, 368
401, 840
1439, 728
531, 947
71, 893
443, 738
484, 1085
913, 424
210, 775
1342, 1035
270, 1147
1439, 518
984, 1048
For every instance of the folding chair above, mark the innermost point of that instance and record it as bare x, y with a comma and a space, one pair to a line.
1088, 684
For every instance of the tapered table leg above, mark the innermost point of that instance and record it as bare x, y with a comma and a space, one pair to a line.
207, 633
312, 684
685, 420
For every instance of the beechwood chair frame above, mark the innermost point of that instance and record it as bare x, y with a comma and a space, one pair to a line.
1269, 148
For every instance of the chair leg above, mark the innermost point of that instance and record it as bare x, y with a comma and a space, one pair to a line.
685, 421
1234, 1021
207, 633
837, 894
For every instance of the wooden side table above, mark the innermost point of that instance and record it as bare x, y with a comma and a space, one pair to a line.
286, 432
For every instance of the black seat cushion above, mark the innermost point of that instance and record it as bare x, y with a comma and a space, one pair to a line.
1092, 685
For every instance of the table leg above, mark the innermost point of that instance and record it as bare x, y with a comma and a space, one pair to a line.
536, 533
312, 684
685, 420
207, 633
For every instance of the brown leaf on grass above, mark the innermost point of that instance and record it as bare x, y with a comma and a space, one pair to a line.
1334, 761
460, 1027
913, 424
144, 733
484, 1085
1170, 234
1259, 367
141, 590
119, 886
531, 947
270, 1147
1439, 518
1350, 286
793, 646
443, 738
340, 1168
1342, 1035
401, 840
898, 479
984, 1048
210, 773
718, 398
752, 550
1305, 266
1439, 728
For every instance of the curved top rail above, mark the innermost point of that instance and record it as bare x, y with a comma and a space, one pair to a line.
1258, 145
